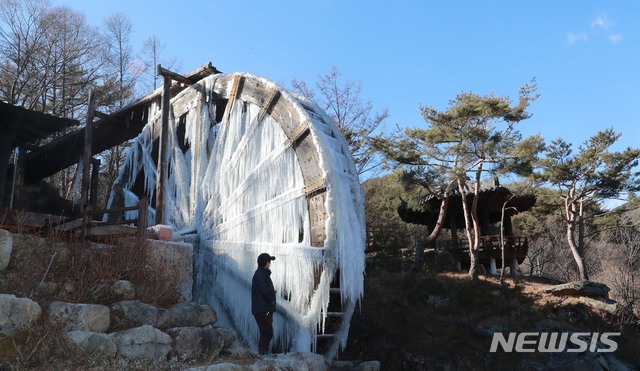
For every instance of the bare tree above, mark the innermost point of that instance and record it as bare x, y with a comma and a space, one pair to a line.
151, 56
22, 44
355, 118
119, 62
119, 56
620, 264
74, 61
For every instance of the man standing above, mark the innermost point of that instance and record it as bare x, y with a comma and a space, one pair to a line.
263, 301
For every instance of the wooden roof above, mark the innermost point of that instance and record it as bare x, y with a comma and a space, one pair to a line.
490, 203
26, 128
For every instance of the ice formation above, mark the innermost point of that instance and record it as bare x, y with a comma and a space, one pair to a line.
238, 186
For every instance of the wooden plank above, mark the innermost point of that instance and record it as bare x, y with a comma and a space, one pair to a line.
69, 226
183, 105
110, 230
316, 186
317, 218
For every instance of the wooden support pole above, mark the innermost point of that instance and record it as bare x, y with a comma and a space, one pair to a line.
5, 154
86, 161
142, 221
18, 176
163, 152
95, 173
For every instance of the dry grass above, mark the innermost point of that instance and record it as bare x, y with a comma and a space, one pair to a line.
47, 268
415, 321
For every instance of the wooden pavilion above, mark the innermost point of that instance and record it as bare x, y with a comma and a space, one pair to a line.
490, 206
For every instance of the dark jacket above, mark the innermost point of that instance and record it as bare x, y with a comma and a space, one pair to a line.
263, 295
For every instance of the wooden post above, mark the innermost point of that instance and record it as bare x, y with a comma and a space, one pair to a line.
5, 154
20, 156
95, 173
143, 205
86, 161
163, 152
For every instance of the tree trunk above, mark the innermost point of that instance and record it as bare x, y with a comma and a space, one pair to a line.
435, 233
577, 254
473, 252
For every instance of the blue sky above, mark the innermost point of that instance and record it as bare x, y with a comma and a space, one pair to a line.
585, 55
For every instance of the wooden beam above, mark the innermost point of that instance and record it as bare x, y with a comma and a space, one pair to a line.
163, 152
106, 117
174, 76
235, 90
86, 163
268, 104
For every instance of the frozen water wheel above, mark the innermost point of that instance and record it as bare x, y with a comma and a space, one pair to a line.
254, 168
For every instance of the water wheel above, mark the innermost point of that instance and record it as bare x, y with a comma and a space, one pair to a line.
255, 168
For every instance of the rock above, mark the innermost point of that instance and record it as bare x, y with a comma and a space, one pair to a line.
222, 367
573, 313
345, 365
123, 290
186, 314
609, 361
6, 245
370, 366
486, 332
196, 342
580, 288
80, 317
133, 313
229, 336
93, 343
17, 313
609, 306
69, 287
297, 361
315, 361
438, 302
144, 342
530, 364
173, 263
238, 350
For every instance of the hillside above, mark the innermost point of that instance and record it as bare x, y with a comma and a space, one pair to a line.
407, 320
444, 321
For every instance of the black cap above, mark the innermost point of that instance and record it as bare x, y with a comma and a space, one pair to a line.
264, 258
